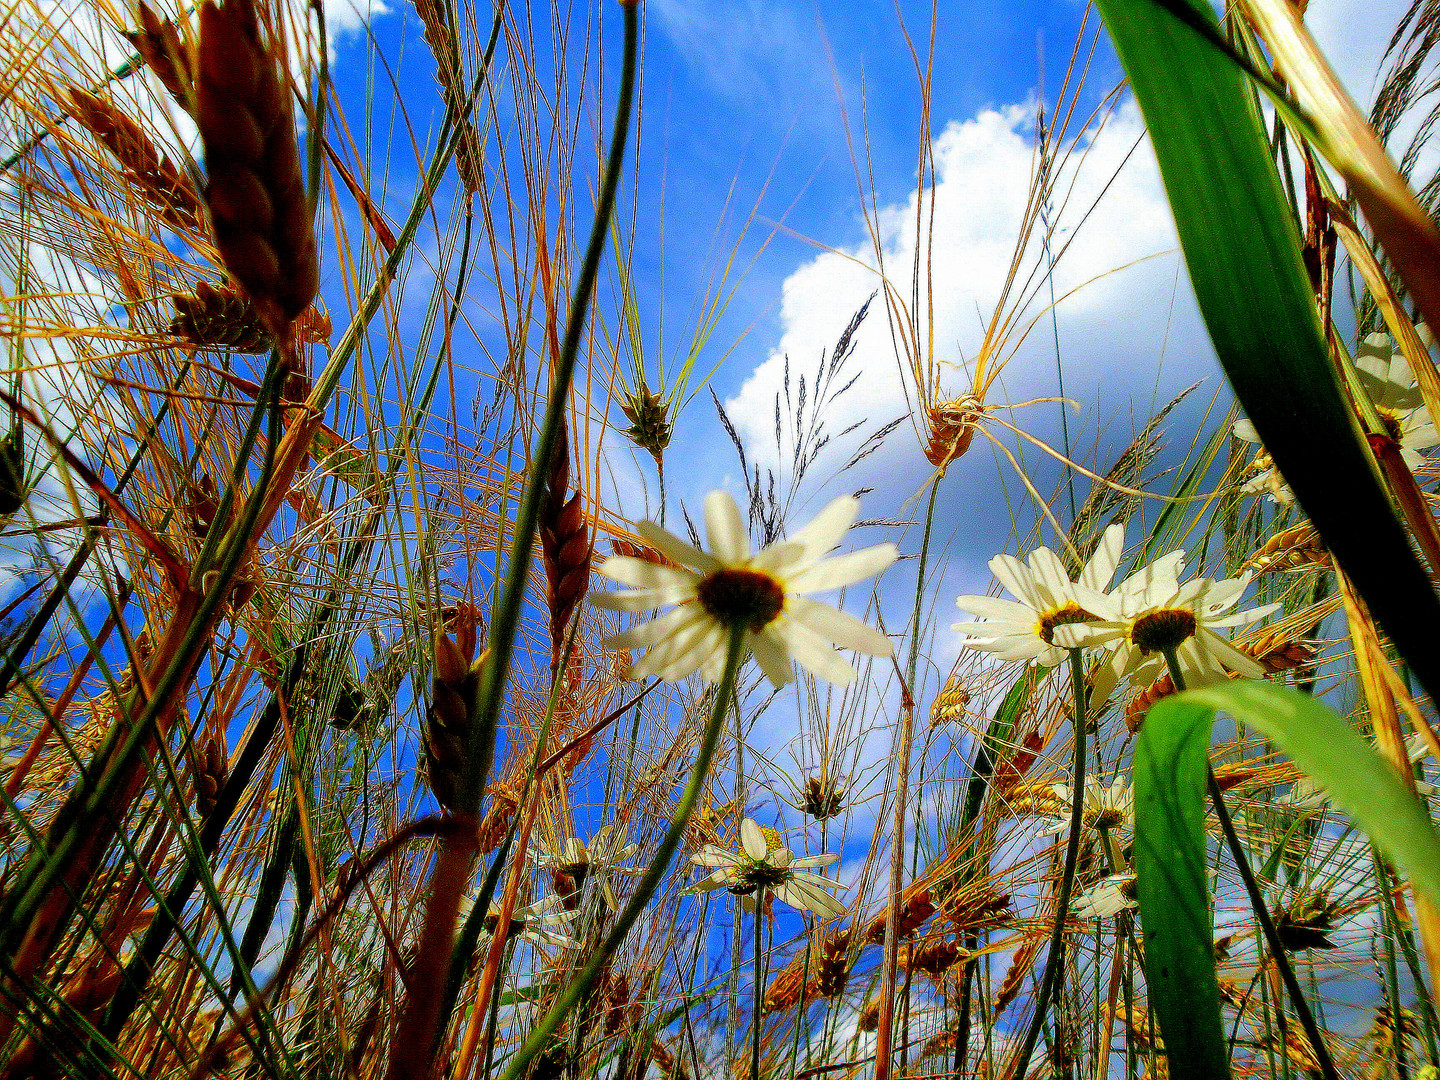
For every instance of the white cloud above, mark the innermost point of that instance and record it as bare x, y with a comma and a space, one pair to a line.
1116, 323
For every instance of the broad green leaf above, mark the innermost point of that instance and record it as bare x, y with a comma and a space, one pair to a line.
1243, 256
1327, 749
1171, 882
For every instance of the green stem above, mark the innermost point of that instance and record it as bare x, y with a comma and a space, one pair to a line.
1055, 960
757, 1016
1257, 902
646, 886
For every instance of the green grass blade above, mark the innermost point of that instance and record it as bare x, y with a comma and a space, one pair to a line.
1327, 749
1172, 886
1243, 256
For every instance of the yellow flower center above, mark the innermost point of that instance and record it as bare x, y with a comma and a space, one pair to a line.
746, 597
1164, 629
1070, 613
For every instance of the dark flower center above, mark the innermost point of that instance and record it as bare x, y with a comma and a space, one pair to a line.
1070, 613
746, 597
1161, 630
1390, 421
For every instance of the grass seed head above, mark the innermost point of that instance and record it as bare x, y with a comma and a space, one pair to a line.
649, 415
149, 172
159, 45
256, 194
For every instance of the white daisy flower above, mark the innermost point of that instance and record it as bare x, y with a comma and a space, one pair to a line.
764, 862
765, 592
1151, 611
603, 856
541, 923
1385, 375
1110, 807
1264, 478
1108, 897
1024, 629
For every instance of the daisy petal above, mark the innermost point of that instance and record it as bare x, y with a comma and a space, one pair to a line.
753, 840
671, 546
772, 656
813, 652
844, 630
728, 538
641, 574
843, 570
819, 538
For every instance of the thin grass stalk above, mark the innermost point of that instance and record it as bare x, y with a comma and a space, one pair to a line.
645, 887
884, 1034
1257, 902
757, 1014
410, 1054
1054, 960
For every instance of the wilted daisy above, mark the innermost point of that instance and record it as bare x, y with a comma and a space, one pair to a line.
1107, 897
1024, 628
764, 592
1385, 375
541, 923
1150, 612
1110, 807
603, 856
764, 862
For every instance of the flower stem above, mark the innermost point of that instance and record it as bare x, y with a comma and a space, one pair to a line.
1055, 960
756, 1018
1257, 902
646, 886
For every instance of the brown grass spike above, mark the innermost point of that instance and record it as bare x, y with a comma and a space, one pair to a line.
151, 173
565, 547
256, 194
160, 47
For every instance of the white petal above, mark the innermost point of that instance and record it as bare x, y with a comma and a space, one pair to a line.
1050, 575
753, 840
710, 855
992, 607
656, 630
1230, 656
844, 630
807, 862
1016, 577
729, 542
772, 656
805, 897
813, 652
700, 648
641, 574
843, 570
668, 544
1101, 567
1244, 429
643, 599
828, 528
719, 880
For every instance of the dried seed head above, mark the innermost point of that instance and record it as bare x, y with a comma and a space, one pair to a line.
222, 317
951, 429
453, 687
150, 173
823, 797
256, 195
565, 548
932, 956
950, 704
916, 905
1299, 548
159, 45
650, 426
834, 964
786, 988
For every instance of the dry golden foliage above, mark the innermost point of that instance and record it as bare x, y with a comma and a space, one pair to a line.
221, 316
950, 704
256, 194
152, 175
159, 45
950, 429
1297, 548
